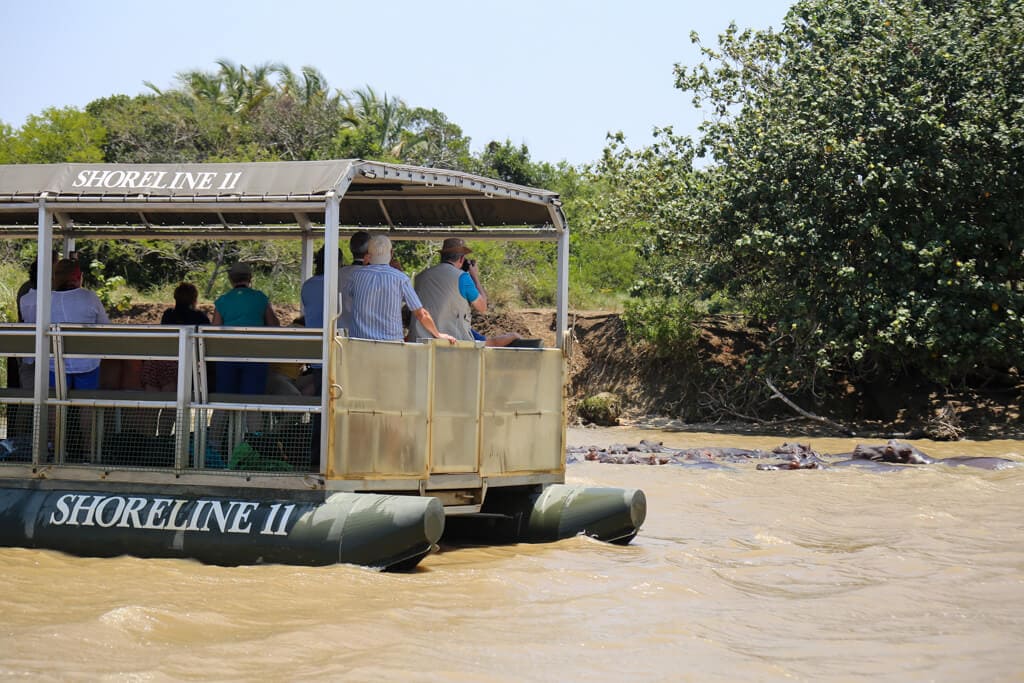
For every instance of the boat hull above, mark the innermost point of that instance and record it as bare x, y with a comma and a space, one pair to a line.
373, 530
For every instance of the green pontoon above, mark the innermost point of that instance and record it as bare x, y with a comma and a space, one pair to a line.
403, 438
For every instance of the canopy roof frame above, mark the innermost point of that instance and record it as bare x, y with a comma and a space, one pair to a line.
261, 200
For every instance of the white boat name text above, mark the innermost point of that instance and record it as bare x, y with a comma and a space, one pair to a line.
169, 514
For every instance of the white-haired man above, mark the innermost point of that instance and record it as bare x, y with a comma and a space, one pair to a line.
377, 291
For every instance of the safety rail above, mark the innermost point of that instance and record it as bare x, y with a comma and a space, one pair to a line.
119, 424
17, 341
232, 417
403, 416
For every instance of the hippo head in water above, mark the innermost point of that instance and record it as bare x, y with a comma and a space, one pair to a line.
892, 451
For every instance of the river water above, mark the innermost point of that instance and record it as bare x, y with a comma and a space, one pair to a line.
838, 575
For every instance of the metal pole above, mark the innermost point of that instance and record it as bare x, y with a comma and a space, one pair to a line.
307, 247
44, 273
183, 400
562, 295
330, 313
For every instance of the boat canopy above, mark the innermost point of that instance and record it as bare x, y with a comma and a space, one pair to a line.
268, 199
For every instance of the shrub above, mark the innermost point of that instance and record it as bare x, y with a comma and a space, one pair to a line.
669, 324
601, 409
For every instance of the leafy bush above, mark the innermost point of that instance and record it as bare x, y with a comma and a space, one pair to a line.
516, 274
670, 324
602, 268
603, 409
11, 277
106, 288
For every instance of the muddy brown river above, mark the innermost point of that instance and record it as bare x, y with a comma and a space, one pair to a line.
742, 575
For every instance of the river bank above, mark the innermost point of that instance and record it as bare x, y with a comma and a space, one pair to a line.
711, 392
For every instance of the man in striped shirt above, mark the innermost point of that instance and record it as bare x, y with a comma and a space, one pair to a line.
377, 291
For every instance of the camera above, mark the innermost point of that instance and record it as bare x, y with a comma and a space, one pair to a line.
467, 264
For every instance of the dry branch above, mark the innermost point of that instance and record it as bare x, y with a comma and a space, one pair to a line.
810, 416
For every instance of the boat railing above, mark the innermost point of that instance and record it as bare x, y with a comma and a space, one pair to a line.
401, 416
17, 341
230, 427
118, 415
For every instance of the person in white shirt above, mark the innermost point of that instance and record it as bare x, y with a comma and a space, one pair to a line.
71, 303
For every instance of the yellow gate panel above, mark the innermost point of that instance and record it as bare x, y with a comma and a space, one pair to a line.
521, 416
380, 418
455, 424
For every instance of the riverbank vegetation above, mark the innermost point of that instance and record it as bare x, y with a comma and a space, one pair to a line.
855, 197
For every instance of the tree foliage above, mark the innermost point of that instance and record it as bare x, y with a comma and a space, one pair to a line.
866, 183
268, 111
55, 135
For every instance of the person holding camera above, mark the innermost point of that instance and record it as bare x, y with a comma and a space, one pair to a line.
451, 290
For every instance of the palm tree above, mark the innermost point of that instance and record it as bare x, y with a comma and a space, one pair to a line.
308, 87
201, 86
237, 89
244, 88
385, 121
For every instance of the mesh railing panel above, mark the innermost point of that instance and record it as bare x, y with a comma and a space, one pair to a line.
252, 440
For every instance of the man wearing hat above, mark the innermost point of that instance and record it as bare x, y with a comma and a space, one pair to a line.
449, 290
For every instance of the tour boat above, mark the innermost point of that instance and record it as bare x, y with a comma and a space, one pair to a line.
407, 443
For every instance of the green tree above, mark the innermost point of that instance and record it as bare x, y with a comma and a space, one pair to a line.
309, 86
505, 161
55, 136
6, 144
301, 118
233, 87
376, 127
433, 140
163, 128
864, 193
647, 201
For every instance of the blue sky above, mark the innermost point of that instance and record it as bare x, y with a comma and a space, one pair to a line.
556, 75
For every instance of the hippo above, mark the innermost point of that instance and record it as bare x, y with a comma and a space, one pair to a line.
795, 463
795, 456
898, 452
872, 465
892, 451
889, 457
720, 453
702, 465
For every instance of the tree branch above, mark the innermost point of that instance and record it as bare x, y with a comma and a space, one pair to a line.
810, 416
